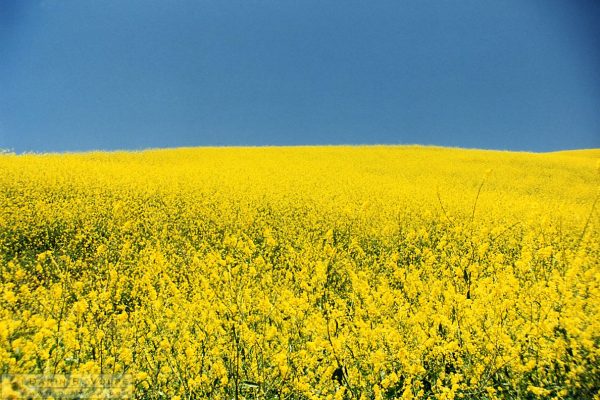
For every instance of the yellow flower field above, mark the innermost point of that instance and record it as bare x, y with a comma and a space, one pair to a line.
374, 272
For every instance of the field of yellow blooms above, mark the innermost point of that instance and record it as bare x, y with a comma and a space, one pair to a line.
374, 272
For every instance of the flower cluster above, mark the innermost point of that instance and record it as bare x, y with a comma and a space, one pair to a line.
305, 273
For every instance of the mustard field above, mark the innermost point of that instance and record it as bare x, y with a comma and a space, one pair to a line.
374, 272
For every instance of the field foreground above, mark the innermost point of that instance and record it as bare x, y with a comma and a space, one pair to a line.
305, 273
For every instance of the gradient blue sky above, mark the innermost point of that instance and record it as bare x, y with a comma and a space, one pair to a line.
131, 74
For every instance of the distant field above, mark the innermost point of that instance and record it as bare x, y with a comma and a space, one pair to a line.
589, 153
373, 272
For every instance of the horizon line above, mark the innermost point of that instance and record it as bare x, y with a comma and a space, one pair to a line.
9, 151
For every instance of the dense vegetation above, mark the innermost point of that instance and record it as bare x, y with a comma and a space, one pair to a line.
305, 273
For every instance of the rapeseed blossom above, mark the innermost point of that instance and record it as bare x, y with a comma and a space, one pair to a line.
305, 273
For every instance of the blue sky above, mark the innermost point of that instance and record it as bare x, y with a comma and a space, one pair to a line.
132, 74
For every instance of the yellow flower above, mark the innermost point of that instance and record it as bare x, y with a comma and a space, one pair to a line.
9, 297
165, 345
538, 391
126, 355
80, 307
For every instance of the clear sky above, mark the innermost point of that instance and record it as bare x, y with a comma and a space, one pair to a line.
131, 74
